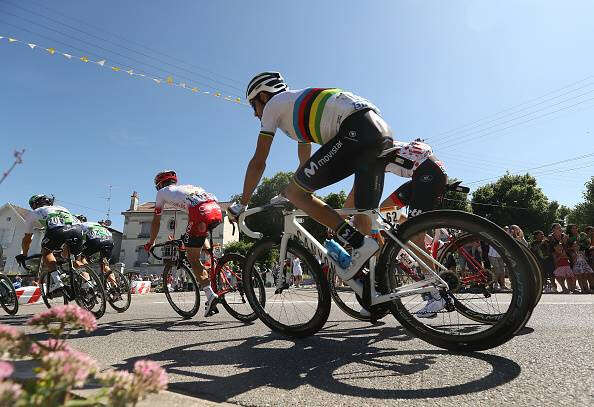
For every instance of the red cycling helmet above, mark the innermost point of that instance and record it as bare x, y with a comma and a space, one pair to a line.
162, 176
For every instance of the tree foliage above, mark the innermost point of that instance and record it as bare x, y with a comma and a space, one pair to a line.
583, 213
515, 199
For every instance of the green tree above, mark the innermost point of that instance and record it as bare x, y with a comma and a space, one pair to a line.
515, 199
334, 200
241, 247
583, 213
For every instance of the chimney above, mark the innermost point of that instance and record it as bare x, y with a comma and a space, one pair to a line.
134, 201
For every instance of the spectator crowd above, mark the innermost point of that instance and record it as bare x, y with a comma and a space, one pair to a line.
566, 258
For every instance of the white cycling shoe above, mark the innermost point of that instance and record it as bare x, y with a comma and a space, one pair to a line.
359, 257
432, 307
210, 308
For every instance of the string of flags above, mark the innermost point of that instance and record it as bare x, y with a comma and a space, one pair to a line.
169, 80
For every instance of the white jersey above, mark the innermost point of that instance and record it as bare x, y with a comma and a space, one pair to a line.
312, 114
181, 197
93, 230
415, 151
49, 217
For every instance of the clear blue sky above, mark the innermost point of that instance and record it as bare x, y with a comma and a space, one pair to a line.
430, 66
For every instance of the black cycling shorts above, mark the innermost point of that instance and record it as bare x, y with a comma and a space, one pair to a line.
354, 150
102, 246
193, 241
424, 191
72, 235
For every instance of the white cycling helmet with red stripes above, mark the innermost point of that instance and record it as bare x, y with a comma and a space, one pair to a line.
272, 82
163, 176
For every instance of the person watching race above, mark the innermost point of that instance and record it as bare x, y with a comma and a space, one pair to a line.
352, 135
204, 213
420, 194
97, 239
60, 227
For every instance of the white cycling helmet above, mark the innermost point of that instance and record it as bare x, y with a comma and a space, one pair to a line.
272, 82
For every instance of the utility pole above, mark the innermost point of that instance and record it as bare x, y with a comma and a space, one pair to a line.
18, 159
108, 199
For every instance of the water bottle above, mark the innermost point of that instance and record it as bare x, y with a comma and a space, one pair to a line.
338, 253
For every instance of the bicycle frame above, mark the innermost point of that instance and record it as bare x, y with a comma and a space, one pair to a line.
293, 229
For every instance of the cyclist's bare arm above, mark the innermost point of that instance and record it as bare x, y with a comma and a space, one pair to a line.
304, 152
26, 243
256, 167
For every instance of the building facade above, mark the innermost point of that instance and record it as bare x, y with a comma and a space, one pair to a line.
137, 228
12, 230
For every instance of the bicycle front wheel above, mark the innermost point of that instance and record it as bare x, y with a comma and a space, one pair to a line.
182, 291
347, 300
294, 311
436, 317
53, 299
8, 297
117, 290
89, 292
231, 290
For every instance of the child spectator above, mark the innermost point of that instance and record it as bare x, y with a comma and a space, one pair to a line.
539, 249
518, 234
579, 266
563, 270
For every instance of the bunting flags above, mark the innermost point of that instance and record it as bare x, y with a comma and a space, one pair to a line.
169, 80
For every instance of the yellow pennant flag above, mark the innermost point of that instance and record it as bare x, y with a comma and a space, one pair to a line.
238, 100
195, 89
52, 51
12, 39
84, 59
217, 94
115, 68
169, 80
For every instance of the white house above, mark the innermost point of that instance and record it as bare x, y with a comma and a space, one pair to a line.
12, 230
137, 227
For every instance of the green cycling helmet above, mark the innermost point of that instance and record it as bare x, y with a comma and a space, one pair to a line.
37, 201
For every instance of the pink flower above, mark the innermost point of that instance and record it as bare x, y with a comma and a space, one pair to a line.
12, 341
70, 315
39, 349
151, 375
129, 388
67, 368
9, 393
6, 370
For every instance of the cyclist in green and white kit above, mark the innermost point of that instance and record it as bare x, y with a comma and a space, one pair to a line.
98, 239
60, 227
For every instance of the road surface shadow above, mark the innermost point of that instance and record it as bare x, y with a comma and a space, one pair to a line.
334, 361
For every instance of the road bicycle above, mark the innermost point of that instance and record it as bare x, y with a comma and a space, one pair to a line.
85, 290
181, 287
8, 298
382, 285
117, 288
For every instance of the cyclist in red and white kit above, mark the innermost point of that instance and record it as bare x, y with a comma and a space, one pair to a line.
421, 194
204, 213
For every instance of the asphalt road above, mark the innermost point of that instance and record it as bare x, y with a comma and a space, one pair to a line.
551, 363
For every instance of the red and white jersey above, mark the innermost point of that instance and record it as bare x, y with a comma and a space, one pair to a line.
181, 197
415, 151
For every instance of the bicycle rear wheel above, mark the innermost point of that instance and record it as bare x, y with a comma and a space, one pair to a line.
89, 292
182, 291
439, 320
118, 293
229, 277
293, 311
8, 298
